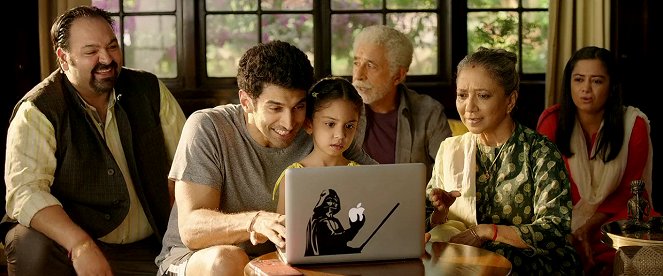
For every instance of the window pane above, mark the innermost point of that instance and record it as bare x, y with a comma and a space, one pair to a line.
536, 4
492, 30
421, 28
356, 4
282, 5
107, 5
116, 26
483, 4
409, 4
296, 29
150, 44
227, 38
343, 29
231, 5
149, 5
535, 42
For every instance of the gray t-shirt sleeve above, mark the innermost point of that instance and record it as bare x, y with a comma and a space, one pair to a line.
198, 157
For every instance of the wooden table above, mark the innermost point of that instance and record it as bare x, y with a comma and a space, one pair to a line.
441, 258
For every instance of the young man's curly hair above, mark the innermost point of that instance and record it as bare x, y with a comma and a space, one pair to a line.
275, 62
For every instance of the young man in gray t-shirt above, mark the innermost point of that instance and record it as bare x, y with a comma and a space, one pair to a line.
228, 160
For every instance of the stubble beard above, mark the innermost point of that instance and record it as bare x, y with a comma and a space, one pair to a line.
105, 85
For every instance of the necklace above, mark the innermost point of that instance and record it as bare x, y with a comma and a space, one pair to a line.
488, 171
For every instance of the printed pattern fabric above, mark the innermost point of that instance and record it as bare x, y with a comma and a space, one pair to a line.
528, 188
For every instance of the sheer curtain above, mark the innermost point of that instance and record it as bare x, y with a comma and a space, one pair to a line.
48, 11
573, 25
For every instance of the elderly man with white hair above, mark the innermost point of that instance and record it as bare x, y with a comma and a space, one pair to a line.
402, 126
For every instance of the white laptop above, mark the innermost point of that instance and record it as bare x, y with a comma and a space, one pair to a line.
350, 214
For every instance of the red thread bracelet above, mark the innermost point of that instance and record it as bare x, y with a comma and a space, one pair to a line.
494, 232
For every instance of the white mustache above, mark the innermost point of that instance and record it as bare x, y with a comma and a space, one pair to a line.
362, 85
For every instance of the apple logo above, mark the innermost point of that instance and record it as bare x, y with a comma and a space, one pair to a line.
356, 213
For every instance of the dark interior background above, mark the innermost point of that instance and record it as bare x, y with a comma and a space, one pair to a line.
635, 26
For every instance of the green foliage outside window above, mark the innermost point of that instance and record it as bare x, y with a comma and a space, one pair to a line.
498, 28
233, 26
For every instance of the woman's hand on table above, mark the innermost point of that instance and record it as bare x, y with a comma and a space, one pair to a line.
581, 240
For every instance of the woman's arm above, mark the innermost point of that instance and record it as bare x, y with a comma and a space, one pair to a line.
551, 201
502, 233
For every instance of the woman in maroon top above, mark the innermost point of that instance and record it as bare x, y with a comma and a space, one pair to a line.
605, 146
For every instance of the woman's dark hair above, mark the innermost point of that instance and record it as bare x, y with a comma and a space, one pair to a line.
611, 136
331, 88
60, 30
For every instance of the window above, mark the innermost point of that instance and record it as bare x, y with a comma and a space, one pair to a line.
520, 26
147, 30
417, 19
195, 45
233, 26
322, 29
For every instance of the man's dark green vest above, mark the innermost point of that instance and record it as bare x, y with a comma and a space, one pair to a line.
88, 181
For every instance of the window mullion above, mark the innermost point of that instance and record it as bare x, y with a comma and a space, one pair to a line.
322, 37
186, 43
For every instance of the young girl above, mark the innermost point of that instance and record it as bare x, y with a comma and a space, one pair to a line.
332, 116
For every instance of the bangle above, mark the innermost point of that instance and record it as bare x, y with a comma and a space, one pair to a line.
253, 221
494, 232
75, 251
474, 233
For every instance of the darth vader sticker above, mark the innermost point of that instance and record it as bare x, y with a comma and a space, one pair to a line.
325, 233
